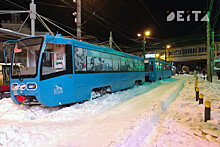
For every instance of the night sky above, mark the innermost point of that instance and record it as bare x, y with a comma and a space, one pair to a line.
126, 18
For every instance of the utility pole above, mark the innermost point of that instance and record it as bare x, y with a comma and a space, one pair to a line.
32, 17
212, 51
110, 39
144, 47
209, 69
78, 19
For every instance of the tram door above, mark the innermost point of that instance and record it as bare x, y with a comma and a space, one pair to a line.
6, 74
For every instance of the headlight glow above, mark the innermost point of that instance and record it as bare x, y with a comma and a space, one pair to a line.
14, 86
31, 86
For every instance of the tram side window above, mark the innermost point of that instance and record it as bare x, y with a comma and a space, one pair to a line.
146, 66
157, 65
130, 64
169, 67
116, 63
141, 64
94, 61
161, 66
124, 65
54, 58
151, 66
80, 59
106, 62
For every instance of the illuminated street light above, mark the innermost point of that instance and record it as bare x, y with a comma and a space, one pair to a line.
145, 34
167, 48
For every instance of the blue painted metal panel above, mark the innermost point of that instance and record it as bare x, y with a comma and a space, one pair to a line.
75, 87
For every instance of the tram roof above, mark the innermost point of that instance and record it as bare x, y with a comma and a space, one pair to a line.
64, 40
6, 34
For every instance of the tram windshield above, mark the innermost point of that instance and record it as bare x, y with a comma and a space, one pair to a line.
26, 56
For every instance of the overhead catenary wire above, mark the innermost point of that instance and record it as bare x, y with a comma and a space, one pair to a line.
56, 25
215, 19
154, 19
12, 11
61, 6
93, 13
117, 46
106, 22
118, 28
16, 4
23, 23
44, 24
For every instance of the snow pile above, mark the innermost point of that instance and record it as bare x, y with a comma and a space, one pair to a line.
20, 123
11, 111
164, 113
184, 124
146, 122
78, 111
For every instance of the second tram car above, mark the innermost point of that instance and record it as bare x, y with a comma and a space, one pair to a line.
157, 70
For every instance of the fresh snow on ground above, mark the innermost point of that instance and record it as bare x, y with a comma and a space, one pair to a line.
164, 113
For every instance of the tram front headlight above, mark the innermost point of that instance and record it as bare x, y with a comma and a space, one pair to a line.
14, 86
31, 86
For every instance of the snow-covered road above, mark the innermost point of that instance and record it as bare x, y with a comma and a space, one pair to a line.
117, 125
147, 115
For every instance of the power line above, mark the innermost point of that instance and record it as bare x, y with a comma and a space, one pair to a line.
57, 25
16, 4
93, 13
44, 24
53, 5
23, 23
154, 19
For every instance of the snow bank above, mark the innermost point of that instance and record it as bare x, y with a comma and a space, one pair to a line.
145, 124
78, 111
147, 115
18, 123
184, 123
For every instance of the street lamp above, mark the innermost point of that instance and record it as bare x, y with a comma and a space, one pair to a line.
144, 35
167, 48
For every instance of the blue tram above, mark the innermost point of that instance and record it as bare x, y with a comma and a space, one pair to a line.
157, 70
54, 70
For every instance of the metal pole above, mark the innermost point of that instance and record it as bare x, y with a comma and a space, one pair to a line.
212, 51
144, 47
78, 18
209, 76
32, 17
110, 39
165, 54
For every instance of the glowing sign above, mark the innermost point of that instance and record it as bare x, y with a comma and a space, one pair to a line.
16, 50
149, 55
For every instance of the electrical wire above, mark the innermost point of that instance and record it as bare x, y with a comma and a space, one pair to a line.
117, 26
117, 46
165, 33
23, 23
44, 24
16, 4
12, 11
56, 25
61, 6
93, 13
